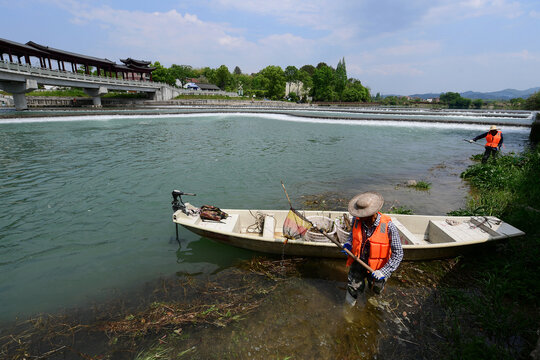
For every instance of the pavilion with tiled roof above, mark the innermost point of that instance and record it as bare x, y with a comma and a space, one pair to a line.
132, 69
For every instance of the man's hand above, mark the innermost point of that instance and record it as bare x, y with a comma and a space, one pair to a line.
378, 275
347, 246
471, 141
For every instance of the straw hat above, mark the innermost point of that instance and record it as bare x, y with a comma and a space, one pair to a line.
366, 204
493, 127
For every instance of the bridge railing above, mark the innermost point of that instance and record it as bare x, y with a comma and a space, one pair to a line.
38, 71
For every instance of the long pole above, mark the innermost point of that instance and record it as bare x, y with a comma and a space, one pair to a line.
337, 243
287, 195
474, 142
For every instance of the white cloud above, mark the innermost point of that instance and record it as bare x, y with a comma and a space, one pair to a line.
449, 11
294, 12
393, 69
534, 14
416, 48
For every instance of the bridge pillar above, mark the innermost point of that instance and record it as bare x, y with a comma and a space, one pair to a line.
163, 93
18, 90
96, 94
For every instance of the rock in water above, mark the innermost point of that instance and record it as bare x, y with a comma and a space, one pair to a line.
412, 182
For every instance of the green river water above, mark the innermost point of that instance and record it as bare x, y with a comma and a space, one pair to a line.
85, 201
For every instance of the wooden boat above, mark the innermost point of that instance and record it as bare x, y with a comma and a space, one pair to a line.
423, 237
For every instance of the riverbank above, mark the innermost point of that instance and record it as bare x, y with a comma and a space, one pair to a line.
497, 296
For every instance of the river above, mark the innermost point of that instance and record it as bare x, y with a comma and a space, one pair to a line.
85, 200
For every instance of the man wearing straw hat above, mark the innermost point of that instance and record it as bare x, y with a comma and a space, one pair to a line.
375, 240
494, 141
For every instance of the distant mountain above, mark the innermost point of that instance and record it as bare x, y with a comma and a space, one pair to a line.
506, 94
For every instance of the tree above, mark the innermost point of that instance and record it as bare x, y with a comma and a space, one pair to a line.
323, 84
478, 103
533, 101
341, 77
321, 65
208, 75
449, 97
516, 103
222, 77
181, 72
455, 101
307, 82
237, 71
162, 74
309, 69
291, 73
273, 80
293, 97
361, 93
351, 95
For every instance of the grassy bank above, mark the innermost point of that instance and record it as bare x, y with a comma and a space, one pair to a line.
491, 301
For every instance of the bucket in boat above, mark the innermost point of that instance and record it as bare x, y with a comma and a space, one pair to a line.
322, 222
339, 225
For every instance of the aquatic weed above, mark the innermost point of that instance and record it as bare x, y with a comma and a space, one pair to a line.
400, 210
421, 185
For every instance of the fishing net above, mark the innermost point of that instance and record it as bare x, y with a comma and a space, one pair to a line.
209, 212
295, 226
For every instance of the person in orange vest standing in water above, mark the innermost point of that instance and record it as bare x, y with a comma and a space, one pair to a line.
494, 141
375, 240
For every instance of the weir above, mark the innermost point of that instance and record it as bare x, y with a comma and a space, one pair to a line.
534, 136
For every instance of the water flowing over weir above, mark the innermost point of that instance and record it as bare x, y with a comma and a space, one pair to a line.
85, 200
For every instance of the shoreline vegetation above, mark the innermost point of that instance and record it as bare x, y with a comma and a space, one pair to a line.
471, 307
493, 310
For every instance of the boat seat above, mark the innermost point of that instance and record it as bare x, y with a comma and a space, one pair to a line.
269, 226
441, 231
229, 224
407, 237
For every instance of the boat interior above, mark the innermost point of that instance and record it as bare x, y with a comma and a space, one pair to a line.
413, 229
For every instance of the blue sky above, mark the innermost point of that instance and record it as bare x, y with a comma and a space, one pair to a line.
393, 47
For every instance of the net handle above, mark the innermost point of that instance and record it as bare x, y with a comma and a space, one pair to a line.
287, 195
337, 243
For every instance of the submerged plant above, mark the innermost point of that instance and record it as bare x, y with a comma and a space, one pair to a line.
421, 185
400, 210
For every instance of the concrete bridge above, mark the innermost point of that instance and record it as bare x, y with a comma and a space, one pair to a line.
19, 79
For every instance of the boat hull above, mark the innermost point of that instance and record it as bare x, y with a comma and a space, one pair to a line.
423, 237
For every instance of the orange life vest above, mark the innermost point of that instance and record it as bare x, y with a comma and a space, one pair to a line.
379, 248
493, 140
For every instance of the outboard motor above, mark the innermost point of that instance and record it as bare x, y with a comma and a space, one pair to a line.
177, 203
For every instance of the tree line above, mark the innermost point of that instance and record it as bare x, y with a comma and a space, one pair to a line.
456, 101
320, 83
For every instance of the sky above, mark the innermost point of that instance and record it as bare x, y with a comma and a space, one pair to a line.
391, 46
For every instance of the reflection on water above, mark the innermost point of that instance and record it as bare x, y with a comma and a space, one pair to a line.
195, 258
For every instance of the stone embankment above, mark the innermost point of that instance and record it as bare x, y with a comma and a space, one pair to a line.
52, 101
227, 103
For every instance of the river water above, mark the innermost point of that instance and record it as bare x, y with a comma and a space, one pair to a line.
85, 201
